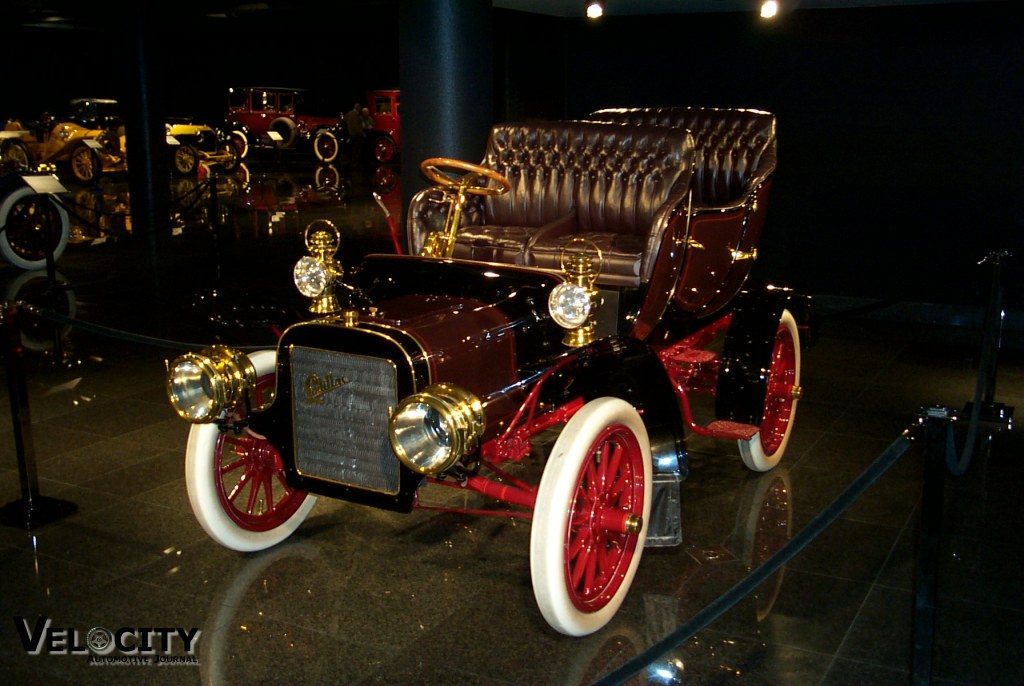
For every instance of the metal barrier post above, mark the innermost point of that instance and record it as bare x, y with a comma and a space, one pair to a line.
937, 422
32, 509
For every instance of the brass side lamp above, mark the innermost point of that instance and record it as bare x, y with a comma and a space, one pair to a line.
572, 304
315, 274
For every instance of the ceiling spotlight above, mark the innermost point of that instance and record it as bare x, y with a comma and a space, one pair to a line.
595, 9
769, 8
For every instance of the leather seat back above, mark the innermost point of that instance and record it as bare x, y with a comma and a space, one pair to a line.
733, 146
614, 178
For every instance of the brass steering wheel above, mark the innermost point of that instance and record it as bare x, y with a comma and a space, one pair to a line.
436, 169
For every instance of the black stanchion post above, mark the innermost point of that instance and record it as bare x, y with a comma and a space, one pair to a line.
937, 433
215, 226
214, 200
53, 292
32, 509
993, 327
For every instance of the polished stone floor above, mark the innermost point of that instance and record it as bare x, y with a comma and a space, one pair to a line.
360, 596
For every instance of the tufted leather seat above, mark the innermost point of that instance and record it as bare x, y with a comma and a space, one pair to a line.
735, 160
733, 147
615, 185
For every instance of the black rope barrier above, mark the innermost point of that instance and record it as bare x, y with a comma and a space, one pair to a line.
787, 552
984, 409
118, 334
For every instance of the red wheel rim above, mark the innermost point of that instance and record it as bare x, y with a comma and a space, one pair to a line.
384, 150
778, 406
250, 479
610, 486
34, 228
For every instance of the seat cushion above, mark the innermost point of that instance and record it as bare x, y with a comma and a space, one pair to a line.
505, 244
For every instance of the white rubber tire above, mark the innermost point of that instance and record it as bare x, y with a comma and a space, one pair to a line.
200, 479
287, 129
753, 452
555, 500
332, 146
241, 143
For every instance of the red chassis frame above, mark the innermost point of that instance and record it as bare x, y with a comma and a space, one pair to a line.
692, 368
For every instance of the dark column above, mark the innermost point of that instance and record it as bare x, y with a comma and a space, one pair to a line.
142, 57
446, 76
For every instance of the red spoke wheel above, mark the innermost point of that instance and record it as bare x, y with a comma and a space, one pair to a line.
34, 226
767, 505
236, 483
765, 449
384, 149
590, 520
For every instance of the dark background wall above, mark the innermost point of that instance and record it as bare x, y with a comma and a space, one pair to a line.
901, 129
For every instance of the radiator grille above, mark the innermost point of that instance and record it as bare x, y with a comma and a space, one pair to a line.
340, 406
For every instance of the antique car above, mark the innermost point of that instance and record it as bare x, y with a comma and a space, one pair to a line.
387, 123
88, 142
192, 144
384, 134
91, 141
585, 282
273, 117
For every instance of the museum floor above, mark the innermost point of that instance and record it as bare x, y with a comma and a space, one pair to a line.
360, 596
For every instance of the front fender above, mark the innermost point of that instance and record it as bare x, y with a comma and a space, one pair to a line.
628, 369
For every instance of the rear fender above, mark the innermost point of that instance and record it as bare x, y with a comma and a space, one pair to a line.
747, 354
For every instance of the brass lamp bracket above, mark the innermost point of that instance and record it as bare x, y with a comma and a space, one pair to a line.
582, 267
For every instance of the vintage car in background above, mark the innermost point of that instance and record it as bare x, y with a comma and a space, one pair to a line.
273, 117
387, 129
91, 141
192, 144
384, 134
585, 283
88, 142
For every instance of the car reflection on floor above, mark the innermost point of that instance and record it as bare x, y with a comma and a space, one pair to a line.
224, 229
258, 199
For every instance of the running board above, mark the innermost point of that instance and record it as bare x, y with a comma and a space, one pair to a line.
725, 429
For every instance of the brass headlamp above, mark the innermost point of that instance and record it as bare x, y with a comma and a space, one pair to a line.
431, 430
201, 386
315, 274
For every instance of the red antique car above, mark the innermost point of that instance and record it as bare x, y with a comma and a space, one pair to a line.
387, 123
585, 281
274, 117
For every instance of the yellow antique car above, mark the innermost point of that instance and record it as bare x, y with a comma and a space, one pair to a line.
194, 143
87, 143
